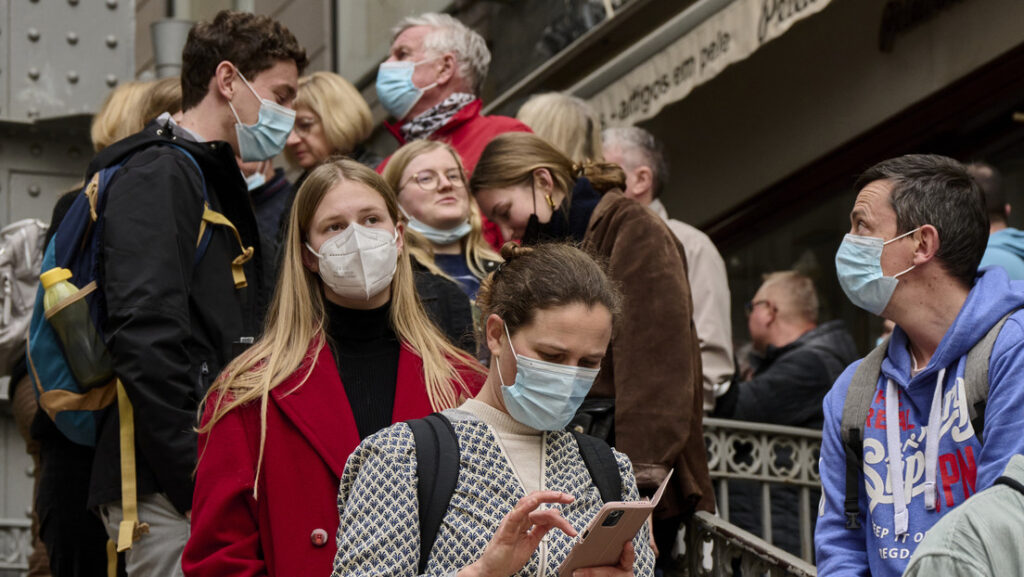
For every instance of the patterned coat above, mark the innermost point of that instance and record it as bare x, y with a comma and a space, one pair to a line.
379, 507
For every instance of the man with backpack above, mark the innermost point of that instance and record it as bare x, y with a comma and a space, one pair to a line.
933, 415
181, 289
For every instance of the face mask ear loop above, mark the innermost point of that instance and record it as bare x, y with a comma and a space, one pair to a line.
533, 193
509, 337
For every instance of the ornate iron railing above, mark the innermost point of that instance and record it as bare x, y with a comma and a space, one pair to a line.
768, 457
15, 544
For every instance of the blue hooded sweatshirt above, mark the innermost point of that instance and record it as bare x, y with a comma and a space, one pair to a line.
1006, 249
962, 465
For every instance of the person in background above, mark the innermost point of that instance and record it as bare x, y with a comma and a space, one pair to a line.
642, 157
918, 230
982, 537
444, 220
74, 538
652, 372
567, 122
549, 312
331, 118
271, 196
1005, 243
347, 351
431, 85
798, 362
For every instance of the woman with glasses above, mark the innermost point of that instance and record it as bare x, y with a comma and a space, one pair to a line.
444, 231
331, 118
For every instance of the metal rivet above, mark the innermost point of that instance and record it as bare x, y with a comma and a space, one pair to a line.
73, 77
111, 80
33, 73
159, 132
34, 190
72, 38
112, 41
33, 34
73, 2
111, 4
35, 149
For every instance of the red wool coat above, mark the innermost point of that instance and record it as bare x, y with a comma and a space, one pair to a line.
468, 132
290, 528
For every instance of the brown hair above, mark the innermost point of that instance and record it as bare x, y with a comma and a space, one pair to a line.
510, 159
253, 43
542, 277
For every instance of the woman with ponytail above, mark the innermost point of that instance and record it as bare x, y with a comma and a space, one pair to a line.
650, 386
347, 350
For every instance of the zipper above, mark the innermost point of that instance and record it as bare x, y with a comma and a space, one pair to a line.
204, 372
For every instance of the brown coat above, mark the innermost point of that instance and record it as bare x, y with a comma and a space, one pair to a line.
653, 367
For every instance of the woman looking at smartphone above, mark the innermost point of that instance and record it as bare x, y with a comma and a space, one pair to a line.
523, 489
347, 350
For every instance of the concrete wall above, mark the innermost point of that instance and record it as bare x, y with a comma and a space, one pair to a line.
820, 85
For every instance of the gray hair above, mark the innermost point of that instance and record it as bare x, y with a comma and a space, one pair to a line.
449, 35
936, 190
634, 141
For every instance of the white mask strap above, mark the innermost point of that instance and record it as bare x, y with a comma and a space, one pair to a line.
894, 239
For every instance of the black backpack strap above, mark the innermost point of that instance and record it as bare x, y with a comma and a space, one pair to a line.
859, 395
976, 375
1010, 482
437, 470
600, 461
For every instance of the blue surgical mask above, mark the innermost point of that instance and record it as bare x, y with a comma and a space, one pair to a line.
255, 180
859, 267
545, 395
395, 89
438, 236
267, 137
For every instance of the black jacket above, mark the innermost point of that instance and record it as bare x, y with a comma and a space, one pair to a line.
172, 324
790, 383
446, 305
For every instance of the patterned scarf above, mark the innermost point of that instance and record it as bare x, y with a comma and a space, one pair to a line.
429, 121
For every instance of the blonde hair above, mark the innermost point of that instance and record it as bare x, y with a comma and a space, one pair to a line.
296, 317
511, 158
130, 106
567, 122
794, 292
476, 250
341, 108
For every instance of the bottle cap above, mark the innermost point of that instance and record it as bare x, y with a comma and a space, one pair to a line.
54, 276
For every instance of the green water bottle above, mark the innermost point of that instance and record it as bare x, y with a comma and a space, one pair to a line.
83, 348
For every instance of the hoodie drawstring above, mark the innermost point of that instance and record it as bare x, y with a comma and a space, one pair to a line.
901, 518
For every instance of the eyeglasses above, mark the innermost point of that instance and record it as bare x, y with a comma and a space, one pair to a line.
430, 180
749, 306
305, 125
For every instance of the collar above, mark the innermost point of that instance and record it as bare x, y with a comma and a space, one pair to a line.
463, 115
433, 118
658, 208
167, 119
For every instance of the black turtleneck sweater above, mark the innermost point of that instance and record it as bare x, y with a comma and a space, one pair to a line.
366, 351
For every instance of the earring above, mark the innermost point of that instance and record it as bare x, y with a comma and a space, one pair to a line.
551, 202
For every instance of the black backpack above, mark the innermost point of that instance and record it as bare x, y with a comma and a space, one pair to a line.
437, 466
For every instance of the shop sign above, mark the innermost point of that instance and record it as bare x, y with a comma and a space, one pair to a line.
730, 35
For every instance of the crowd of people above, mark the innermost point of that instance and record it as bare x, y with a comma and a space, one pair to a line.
517, 287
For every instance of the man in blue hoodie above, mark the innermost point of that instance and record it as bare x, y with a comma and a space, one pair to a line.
1005, 243
918, 231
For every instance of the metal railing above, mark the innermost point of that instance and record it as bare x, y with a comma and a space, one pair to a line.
15, 544
773, 460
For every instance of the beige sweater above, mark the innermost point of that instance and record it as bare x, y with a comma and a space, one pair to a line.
523, 446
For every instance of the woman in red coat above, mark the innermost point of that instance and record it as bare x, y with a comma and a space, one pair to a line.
347, 351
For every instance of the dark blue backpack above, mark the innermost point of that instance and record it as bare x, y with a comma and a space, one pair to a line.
76, 246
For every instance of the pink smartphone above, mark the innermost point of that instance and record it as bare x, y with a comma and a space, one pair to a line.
602, 541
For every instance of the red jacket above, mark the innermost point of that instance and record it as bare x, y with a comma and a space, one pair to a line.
468, 133
290, 528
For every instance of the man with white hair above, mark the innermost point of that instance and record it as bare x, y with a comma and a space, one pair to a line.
642, 157
431, 85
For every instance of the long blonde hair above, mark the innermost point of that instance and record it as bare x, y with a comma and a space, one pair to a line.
568, 123
511, 158
475, 249
296, 317
128, 108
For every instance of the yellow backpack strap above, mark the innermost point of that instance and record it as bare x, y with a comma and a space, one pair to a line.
237, 266
130, 529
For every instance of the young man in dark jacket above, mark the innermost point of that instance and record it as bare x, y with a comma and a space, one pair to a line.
175, 320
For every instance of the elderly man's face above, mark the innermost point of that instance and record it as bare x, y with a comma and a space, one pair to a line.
408, 47
873, 215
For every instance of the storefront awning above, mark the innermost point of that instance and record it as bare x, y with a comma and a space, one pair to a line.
685, 52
